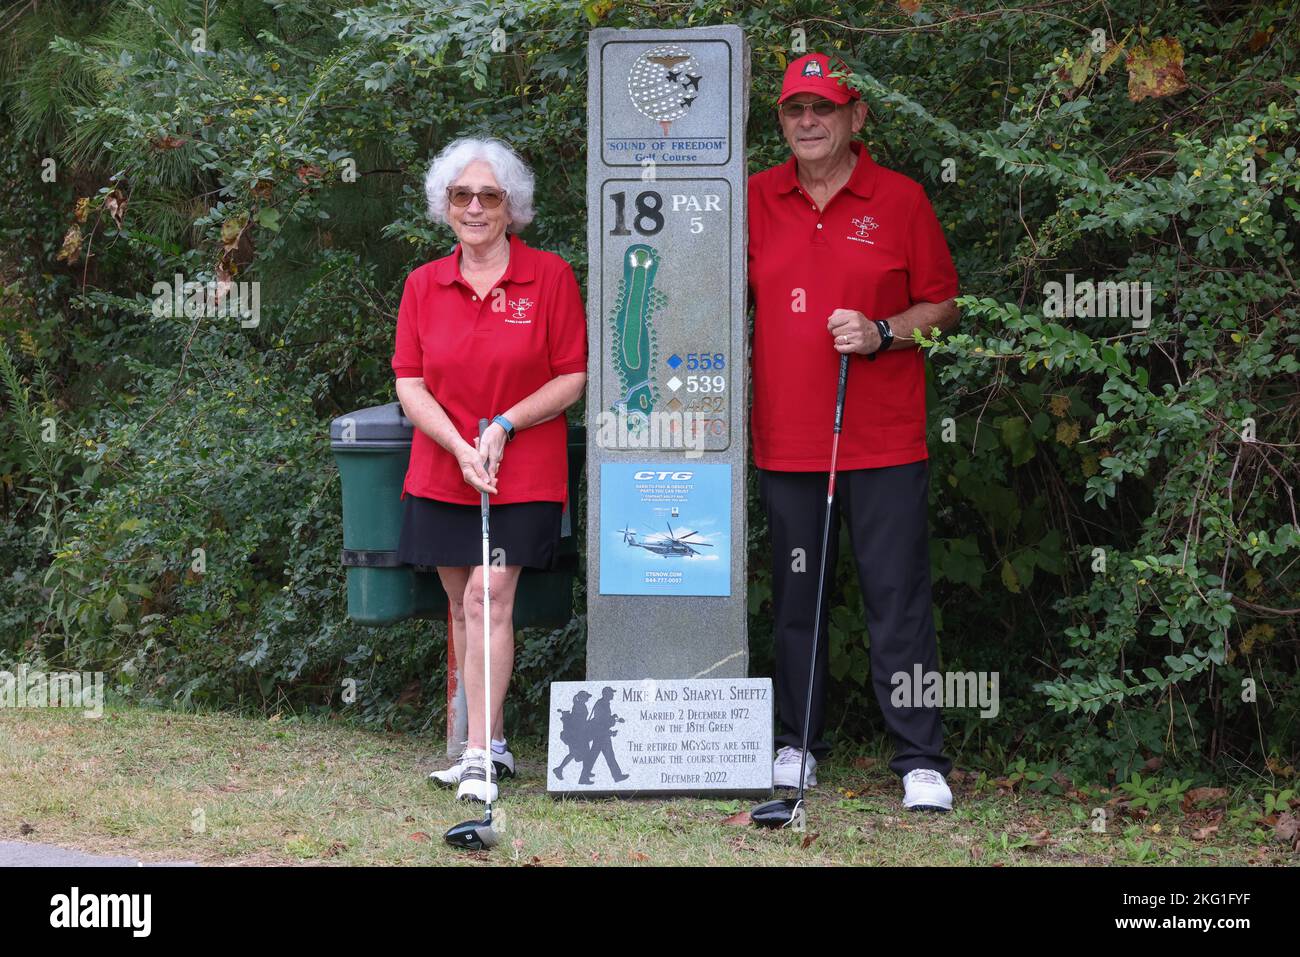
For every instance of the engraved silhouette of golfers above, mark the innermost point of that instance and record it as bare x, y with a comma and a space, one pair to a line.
573, 732
589, 737
601, 732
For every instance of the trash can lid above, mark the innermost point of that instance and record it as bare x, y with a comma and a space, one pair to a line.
379, 427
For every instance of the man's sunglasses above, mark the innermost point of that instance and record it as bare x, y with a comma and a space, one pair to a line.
794, 111
461, 196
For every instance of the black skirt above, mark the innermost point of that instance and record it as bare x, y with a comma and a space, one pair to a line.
443, 533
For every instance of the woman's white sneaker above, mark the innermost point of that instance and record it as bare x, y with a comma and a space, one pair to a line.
477, 782
504, 762
785, 769
926, 790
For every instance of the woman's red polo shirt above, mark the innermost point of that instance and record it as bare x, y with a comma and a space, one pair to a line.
876, 247
480, 355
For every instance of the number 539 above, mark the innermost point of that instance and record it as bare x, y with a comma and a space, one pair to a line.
706, 383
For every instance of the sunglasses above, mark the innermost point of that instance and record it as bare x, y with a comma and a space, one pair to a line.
462, 196
794, 111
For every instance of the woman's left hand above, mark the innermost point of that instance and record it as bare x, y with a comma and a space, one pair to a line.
491, 447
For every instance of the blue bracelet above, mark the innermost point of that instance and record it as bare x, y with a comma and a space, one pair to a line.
502, 421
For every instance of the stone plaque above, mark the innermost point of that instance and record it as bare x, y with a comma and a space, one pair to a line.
692, 736
666, 440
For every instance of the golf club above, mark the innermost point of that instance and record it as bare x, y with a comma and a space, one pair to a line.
481, 835
785, 811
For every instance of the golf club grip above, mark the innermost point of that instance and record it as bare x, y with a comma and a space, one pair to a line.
840, 390
483, 496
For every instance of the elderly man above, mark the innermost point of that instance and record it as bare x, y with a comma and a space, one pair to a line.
846, 257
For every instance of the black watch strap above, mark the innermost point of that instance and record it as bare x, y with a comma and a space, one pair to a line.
886, 334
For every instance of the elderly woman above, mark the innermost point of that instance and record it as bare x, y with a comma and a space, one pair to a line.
495, 330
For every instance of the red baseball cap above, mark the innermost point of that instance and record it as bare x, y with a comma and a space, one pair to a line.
812, 74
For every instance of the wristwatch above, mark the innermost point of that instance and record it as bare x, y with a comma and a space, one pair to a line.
502, 421
886, 334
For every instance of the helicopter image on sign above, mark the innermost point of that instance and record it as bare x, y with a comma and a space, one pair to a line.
671, 546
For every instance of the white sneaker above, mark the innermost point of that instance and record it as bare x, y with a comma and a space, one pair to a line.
785, 769
477, 783
503, 761
926, 790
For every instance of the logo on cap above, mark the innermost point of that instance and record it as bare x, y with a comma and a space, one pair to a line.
812, 68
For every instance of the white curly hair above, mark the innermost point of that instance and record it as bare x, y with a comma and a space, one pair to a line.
511, 172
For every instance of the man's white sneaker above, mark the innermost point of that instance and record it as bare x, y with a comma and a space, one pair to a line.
477, 783
926, 790
785, 769
504, 762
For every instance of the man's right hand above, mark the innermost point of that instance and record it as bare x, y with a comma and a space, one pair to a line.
472, 470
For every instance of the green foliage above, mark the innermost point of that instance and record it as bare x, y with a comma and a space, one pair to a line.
1114, 526
1152, 794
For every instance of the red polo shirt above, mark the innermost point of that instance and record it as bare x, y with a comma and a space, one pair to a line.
876, 247
481, 355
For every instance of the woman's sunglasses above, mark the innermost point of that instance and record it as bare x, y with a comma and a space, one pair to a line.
461, 196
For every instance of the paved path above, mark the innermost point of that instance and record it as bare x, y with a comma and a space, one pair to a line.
23, 854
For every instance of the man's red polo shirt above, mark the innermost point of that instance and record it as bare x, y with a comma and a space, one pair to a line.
876, 247
481, 355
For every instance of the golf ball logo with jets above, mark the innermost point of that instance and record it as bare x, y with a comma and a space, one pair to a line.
664, 82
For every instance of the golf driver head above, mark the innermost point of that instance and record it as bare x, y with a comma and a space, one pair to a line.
783, 812
473, 835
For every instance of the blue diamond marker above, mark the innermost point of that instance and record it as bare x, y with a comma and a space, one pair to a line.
674, 361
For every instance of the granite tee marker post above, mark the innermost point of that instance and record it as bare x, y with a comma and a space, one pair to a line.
667, 707
666, 455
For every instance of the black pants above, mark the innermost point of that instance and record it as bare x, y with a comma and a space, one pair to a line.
886, 510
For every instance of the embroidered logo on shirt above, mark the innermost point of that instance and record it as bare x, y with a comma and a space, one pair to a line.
864, 225
520, 315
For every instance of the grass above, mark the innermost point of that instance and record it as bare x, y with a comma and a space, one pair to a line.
221, 789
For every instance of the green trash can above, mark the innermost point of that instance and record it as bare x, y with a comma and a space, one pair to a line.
372, 448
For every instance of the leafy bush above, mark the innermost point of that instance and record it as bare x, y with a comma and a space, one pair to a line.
1114, 528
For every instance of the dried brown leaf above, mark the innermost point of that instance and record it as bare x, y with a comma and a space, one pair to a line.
1108, 58
71, 250
115, 203
1155, 69
1041, 839
1287, 827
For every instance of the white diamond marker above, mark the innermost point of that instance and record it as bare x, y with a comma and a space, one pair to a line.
674, 383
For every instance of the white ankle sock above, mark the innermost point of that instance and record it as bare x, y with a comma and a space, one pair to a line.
499, 747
